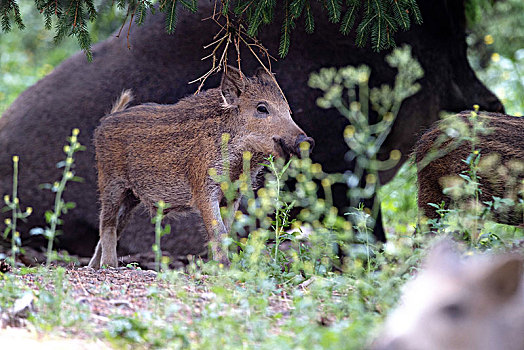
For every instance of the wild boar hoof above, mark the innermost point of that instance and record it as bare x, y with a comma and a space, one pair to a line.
108, 261
94, 263
221, 258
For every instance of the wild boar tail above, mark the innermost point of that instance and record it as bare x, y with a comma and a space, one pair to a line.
125, 98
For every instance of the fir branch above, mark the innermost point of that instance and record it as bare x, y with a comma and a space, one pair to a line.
334, 8
401, 16
349, 18
141, 11
287, 26
414, 11
8, 9
296, 7
171, 15
310, 21
379, 20
363, 29
190, 5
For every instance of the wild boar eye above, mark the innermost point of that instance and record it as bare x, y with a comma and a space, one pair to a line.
262, 109
454, 311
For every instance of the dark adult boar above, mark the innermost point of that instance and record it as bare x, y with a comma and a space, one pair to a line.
157, 69
501, 167
151, 153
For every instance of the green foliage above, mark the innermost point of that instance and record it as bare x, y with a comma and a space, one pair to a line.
496, 51
13, 205
52, 217
316, 283
347, 90
380, 20
159, 231
29, 55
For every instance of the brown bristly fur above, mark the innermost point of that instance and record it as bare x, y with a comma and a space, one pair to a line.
501, 167
152, 152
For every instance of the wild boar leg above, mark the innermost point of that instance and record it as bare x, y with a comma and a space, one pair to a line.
95, 260
215, 228
124, 213
116, 204
105, 253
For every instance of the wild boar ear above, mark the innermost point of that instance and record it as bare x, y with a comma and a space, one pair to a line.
233, 85
504, 278
263, 75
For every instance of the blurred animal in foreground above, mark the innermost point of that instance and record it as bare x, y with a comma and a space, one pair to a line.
474, 303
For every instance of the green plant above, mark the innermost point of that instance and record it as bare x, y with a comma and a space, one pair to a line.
13, 204
55, 305
347, 90
60, 207
159, 231
281, 209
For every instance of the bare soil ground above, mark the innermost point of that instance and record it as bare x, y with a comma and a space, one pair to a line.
116, 292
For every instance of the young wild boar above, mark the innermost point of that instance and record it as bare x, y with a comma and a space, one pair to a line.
472, 304
501, 167
152, 152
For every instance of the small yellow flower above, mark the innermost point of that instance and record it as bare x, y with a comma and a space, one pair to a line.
247, 155
395, 154
495, 57
325, 182
304, 146
29, 210
354, 106
476, 108
76, 132
349, 131
16, 159
66, 148
363, 77
7, 221
488, 39
244, 187
17, 200
6, 198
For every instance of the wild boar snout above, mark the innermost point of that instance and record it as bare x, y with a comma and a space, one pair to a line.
303, 138
287, 149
